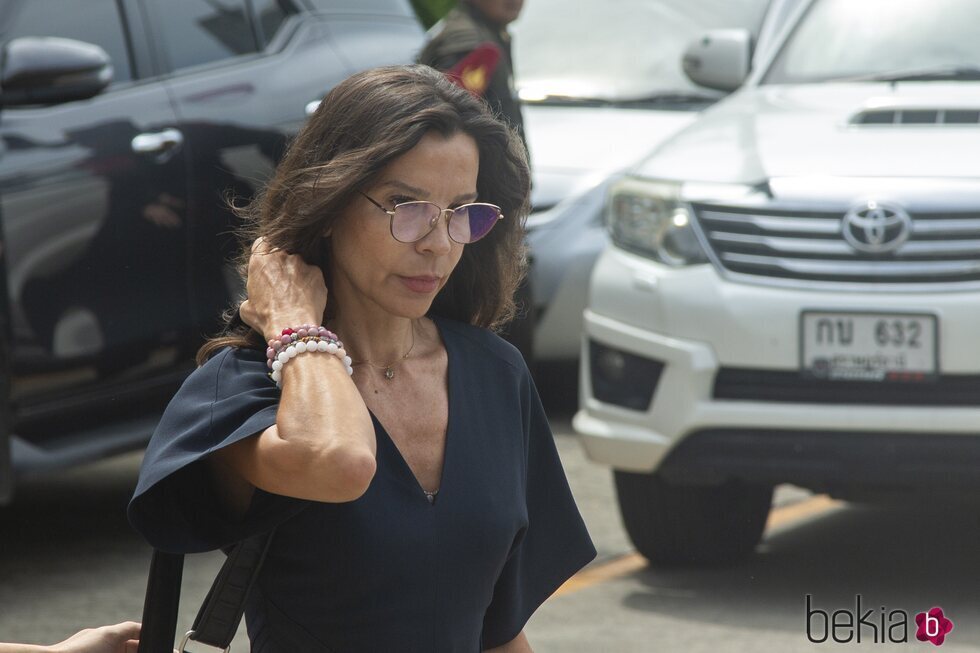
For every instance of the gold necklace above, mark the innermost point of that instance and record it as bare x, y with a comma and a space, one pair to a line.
389, 372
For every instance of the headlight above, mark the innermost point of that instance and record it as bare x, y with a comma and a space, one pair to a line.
649, 219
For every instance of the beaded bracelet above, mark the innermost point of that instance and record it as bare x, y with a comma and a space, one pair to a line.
299, 340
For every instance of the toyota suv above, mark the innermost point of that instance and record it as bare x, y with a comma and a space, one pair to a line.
792, 289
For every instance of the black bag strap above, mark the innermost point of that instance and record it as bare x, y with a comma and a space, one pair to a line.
218, 619
160, 604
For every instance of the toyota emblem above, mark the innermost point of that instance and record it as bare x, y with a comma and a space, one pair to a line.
876, 228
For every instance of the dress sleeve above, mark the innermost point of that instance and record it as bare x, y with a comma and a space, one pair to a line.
175, 506
554, 545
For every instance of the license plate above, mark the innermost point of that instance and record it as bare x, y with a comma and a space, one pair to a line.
898, 347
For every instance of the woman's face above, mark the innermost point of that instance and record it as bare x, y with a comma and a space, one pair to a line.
370, 267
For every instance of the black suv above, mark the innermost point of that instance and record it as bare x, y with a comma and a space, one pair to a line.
124, 127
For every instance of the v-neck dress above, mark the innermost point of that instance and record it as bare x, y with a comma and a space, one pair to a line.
390, 571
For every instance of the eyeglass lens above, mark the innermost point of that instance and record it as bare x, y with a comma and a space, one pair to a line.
469, 223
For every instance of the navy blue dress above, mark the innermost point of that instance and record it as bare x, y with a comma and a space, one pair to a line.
390, 571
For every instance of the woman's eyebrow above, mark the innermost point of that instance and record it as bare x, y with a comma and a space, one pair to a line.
411, 190
469, 197
421, 193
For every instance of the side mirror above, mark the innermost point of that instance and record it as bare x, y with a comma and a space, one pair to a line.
719, 59
47, 70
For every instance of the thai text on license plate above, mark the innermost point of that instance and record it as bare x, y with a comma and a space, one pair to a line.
869, 346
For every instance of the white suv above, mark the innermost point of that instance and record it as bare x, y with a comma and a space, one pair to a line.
792, 291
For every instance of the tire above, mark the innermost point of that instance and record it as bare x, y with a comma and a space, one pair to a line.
674, 525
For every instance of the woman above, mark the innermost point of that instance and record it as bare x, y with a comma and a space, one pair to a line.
417, 496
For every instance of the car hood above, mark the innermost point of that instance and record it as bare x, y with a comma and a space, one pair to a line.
811, 131
574, 148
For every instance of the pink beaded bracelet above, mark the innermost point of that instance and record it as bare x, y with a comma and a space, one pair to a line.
299, 340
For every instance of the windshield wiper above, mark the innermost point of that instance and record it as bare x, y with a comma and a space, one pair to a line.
656, 100
664, 99
930, 74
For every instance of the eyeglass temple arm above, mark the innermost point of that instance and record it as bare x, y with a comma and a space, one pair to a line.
388, 211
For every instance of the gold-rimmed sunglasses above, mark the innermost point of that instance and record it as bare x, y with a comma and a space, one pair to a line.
413, 221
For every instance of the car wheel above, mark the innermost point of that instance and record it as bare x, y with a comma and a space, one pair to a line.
672, 524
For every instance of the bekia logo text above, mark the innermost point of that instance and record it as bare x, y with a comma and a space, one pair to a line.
879, 626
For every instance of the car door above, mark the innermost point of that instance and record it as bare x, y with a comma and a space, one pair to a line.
242, 74
92, 198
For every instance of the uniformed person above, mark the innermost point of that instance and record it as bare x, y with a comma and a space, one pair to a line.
473, 46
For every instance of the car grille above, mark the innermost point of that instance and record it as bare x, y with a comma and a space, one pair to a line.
744, 384
916, 117
795, 245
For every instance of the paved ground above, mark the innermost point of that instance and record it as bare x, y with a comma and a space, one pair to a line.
68, 559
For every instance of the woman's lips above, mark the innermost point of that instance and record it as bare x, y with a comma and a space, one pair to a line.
421, 284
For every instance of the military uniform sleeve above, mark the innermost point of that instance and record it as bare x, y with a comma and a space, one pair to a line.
555, 543
450, 41
175, 506
445, 62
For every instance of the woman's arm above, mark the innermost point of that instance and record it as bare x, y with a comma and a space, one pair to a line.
322, 446
517, 645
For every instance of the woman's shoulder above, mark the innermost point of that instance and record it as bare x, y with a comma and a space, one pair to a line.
230, 366
480, 342
235, 353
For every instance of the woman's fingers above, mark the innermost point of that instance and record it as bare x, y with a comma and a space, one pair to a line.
273, 262
282, 289
127, 629
107, 639
261, 245
247, 314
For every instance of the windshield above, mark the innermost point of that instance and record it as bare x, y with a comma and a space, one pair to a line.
853, 40
617, 50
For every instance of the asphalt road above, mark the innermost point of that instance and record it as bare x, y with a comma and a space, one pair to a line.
68, 559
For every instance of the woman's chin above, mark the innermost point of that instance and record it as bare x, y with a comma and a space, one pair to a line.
412, 309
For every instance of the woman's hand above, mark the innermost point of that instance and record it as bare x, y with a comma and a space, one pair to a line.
282, 290
121, 638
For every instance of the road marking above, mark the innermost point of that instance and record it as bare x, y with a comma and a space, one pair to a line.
794, 512
618, 566
631, 562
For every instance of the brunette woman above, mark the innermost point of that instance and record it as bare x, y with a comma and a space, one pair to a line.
360, 402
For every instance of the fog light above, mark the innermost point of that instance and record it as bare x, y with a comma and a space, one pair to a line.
611, 364
621, 378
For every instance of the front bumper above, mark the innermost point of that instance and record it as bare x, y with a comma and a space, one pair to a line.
700, 327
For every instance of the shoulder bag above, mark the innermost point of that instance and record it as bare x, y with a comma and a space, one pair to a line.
218, 619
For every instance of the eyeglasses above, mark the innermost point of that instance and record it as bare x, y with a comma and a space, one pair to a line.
413, 221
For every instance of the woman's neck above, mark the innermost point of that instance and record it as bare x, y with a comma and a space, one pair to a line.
378, 339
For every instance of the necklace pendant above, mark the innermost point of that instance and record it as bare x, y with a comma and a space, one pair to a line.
389, 373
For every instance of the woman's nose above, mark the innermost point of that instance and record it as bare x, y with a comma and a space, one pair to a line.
438, 239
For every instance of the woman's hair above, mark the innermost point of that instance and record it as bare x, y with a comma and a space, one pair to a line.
364, 123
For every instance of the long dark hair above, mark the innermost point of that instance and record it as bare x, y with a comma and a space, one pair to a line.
363, 124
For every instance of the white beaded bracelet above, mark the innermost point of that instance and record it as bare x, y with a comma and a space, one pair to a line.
294, 342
